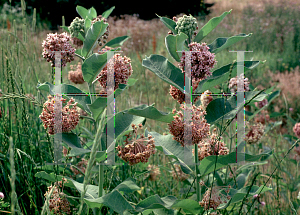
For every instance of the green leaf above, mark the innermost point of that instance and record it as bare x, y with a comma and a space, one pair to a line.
224, 42
174, 149
92, 190
169, 23
155, 202
82, 98
52, 177
127, 186
176, 43
113, 200
207, 165
93, 65
209, 26
116, 42
108, 12
100, 103
221, 75
92, 35
165, 70
92, 13
83, 12
188, 205
151, 112
87, 24
65, 28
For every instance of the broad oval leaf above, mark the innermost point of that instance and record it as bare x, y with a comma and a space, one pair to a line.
175, 43
169, 23
224, 42
165, 70
116, 42
91, 37
209, 26
83, 12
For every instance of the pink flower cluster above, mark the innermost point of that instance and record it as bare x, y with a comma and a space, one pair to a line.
213, 198
206, 98
178, 174
200, 128
255, 133
296, 129
70, 116
211, 146
136, 150
58, 42
82, 165
234, 82
58, 203
122, 70
202, 61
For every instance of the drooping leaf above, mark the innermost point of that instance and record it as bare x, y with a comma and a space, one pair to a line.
224, 42
92, 35
176, 43
113, 200
151, 112
188, 205
68, 91
52, 178
173, 149
116, 42
127, 186
165, 70
209, 26
208, 164
155, 202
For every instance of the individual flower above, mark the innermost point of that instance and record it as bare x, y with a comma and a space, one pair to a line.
154, 172
76, 76
206, 98
262, 103
65, 151
82, 165
138, 149
1, 195
178, 174
296, 129
255, 133
58, 42
103, 39
263, 117
180, 96
58, 203
186, 24
70, 116
202, 61
122, 70
211, 145
76, 26
234, 82
199, 126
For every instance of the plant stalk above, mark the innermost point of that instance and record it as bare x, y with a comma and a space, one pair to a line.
197, 174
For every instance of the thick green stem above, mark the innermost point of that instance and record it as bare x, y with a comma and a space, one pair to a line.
197, 174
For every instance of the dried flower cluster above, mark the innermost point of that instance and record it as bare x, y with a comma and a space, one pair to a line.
180, 96
255, 133
154, 172
179, 174
234, 82
187, 25
206, 98
136, 150
82, 165
58, 42
202, 61
76, 76
58, 203
199, 126
296, 129
211, 146
122, 70
70, 116
213, 198
103, 39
